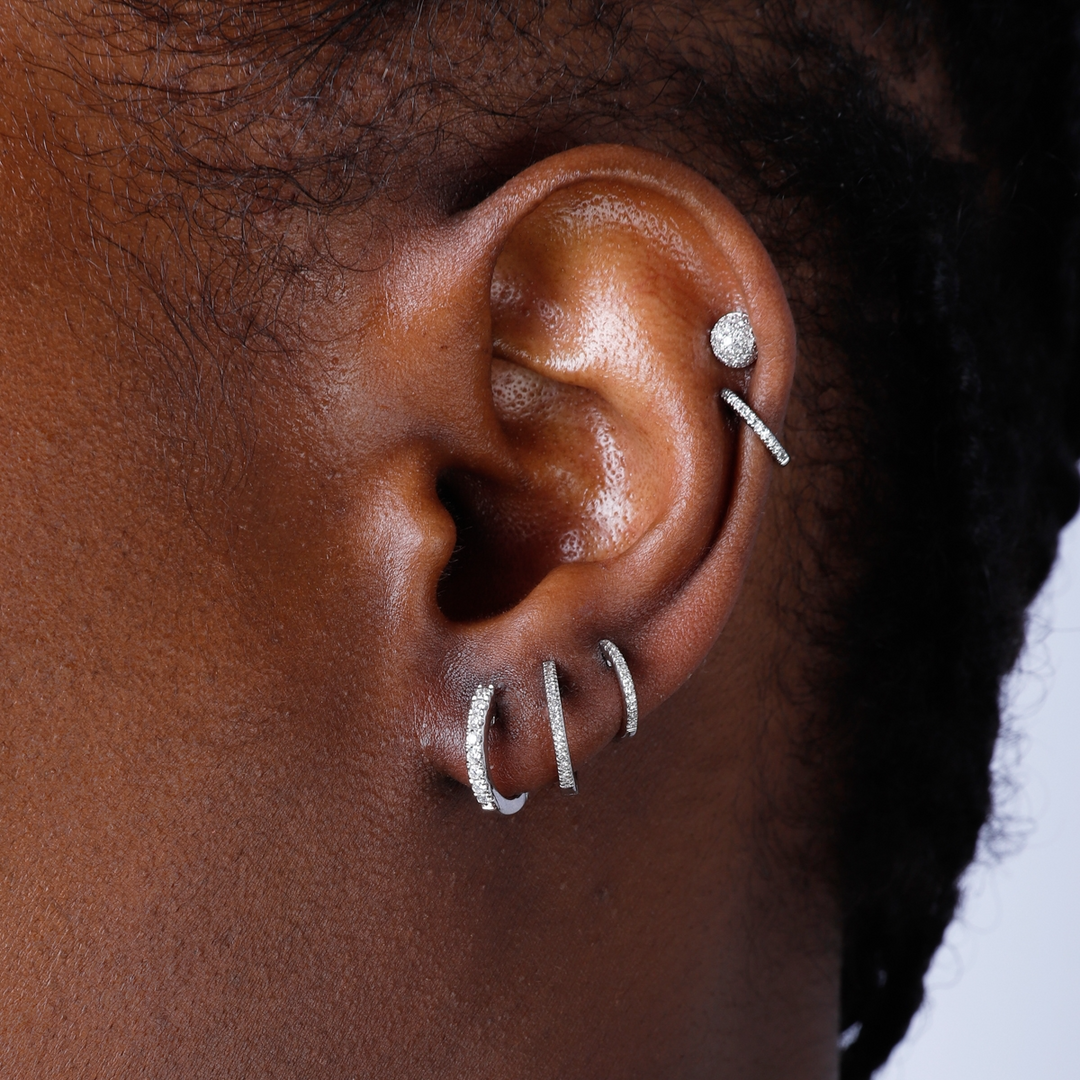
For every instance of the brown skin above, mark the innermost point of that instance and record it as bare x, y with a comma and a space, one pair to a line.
236, 836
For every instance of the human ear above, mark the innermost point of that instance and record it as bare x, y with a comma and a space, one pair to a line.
598, 487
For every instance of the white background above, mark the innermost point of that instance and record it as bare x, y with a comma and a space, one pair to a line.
1003, 997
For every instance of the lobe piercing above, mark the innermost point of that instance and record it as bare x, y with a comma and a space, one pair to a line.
614, 658
757, 426
732, 340
567, 780
487, 795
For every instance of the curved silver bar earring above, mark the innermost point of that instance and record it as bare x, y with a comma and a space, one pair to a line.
476, 755
614, 658
567, 780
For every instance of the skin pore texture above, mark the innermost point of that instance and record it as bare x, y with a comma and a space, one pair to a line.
282, 484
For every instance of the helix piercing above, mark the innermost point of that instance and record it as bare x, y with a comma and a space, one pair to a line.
614, 658
567, 779
757, 426
734, 345
487, 795
732, 340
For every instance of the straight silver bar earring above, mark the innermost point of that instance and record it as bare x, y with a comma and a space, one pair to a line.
480, 710
757, 426
614, 658
567, 780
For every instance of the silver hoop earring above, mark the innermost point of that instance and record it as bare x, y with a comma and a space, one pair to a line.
757, 426
732, 340
567, 779
614, 658
480, 710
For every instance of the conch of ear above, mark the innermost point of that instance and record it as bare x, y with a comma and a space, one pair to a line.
596, 291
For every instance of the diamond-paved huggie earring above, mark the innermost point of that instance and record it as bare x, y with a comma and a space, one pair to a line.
614, 658
567, 779
480, 710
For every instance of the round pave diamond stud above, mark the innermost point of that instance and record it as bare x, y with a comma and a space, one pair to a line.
732, 340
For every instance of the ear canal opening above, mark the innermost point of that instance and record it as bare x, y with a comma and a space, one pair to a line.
495, 563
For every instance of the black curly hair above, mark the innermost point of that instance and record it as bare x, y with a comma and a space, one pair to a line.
959, 334
953, 317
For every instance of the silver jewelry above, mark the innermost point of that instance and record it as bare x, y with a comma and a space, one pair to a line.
567, 780
757, 426
732, 340
480, 710
615, 659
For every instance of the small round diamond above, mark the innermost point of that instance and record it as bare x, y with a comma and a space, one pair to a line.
732, 340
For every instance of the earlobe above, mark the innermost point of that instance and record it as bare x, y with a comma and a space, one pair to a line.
595, 566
